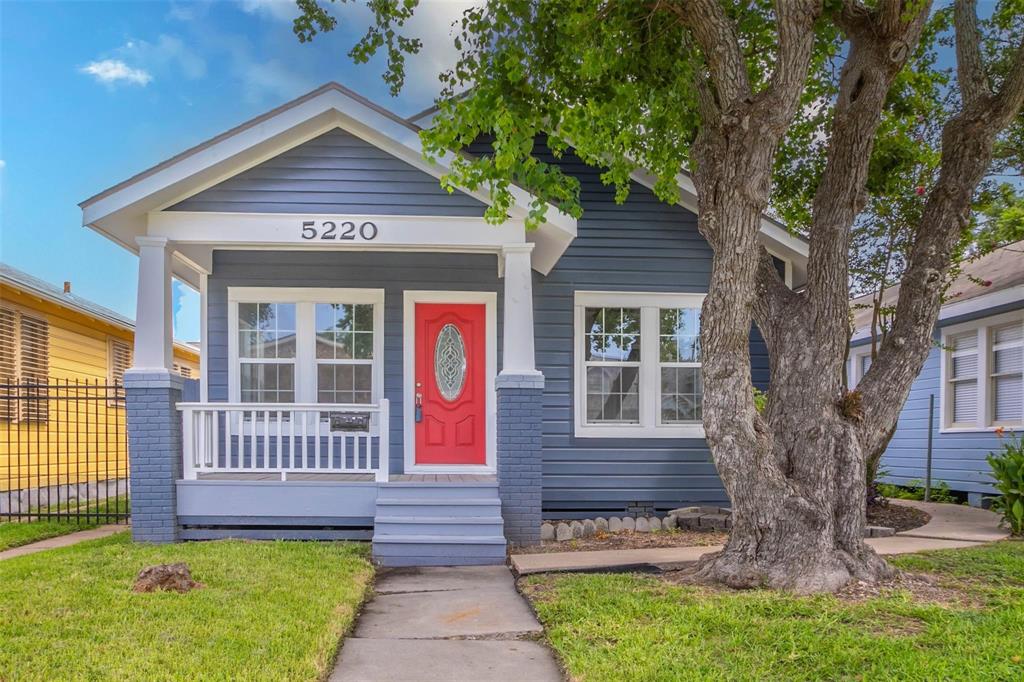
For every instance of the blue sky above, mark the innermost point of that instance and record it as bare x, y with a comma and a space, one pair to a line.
94, 92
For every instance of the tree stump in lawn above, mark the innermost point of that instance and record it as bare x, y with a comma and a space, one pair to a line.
166, 577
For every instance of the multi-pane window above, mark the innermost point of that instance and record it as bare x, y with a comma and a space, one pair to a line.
266, 352
306, 345
638, 371
983, 371
344, 352
1007, 372
612, 361
679, 363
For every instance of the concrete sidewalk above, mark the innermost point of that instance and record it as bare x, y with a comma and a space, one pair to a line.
465, 623
62, 541
951, 527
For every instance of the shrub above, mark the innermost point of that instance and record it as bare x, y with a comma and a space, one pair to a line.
914, 490
1008, 470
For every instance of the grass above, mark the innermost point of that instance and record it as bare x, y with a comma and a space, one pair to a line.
623, 626
268, 611
18, 533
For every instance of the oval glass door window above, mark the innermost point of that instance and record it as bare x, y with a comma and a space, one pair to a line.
450, 362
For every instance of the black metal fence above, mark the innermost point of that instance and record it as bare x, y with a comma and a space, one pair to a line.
63, 452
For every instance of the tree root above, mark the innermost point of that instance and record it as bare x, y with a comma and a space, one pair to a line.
807, 573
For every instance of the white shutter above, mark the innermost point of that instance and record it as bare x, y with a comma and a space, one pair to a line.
8, 362
963, 378
120, 360
34, 351
1007, 369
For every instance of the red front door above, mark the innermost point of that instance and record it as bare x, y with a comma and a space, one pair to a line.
451, 410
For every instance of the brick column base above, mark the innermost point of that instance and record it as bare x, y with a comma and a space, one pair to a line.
520, 424
154, 452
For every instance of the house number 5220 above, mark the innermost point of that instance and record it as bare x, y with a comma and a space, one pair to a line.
345, 231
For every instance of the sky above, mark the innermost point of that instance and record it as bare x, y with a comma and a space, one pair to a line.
92, 93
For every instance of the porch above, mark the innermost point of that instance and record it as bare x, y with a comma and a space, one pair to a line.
273, 471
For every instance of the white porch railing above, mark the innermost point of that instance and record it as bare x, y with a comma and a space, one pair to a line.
284, 438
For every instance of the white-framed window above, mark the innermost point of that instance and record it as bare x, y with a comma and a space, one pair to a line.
306, 345
982, 374
858, 365
25, 360
637, 365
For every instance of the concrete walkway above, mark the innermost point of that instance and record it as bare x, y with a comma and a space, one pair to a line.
427, 624
62, 541
951, 527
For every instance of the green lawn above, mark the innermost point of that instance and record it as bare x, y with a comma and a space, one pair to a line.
634, 627
269, 611
17, 533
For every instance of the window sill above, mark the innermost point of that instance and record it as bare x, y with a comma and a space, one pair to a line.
981, 429
637, 431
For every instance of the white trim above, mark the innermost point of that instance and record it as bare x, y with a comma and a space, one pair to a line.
411, 298
204, 341
412, 232
305, 299
954, 309
650, 380
119, 213
984, 379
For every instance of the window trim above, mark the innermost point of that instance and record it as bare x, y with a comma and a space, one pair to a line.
305, 300
983, 327
650, 425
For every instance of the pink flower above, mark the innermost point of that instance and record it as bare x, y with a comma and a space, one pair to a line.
920, 191
999, 429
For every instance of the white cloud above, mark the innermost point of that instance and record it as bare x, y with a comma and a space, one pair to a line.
113, 71
167, 52
3, 164
281, 10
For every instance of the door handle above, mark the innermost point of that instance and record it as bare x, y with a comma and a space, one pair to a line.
419, 407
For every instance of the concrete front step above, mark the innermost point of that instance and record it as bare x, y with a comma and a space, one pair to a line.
429, 525
439, 491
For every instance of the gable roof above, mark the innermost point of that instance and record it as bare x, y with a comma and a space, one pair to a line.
992, 280
119, 212
775, 235
30, 284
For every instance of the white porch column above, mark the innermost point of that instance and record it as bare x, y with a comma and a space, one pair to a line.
518, 353
154, 336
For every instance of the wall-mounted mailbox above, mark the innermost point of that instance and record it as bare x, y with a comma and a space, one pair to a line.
350, 421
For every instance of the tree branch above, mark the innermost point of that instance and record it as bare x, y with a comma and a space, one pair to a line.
716, 35
970, 69
881, 41
967, 143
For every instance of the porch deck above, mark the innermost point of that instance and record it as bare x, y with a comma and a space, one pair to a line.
306, 476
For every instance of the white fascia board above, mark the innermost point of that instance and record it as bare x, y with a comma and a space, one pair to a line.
119, 214
956, 309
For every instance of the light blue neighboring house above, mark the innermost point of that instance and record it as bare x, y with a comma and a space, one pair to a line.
379, 362
973, 374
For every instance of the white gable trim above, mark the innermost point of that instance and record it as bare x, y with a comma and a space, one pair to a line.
120, 213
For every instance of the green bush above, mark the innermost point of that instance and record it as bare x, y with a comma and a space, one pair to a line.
1008, 470
914, 490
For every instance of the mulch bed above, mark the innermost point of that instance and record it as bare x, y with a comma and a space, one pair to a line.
897, 516
630, 540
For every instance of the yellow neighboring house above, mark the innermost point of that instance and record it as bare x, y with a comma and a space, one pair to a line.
69, 429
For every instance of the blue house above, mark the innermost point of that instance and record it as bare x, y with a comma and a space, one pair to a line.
972, 378
377, 361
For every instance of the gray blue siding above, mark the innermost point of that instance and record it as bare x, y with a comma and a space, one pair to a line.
393, 272
643, 245
958, 459
335, 173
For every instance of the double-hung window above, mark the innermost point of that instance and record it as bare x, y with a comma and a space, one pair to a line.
292, 345
983, 374
637, 365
